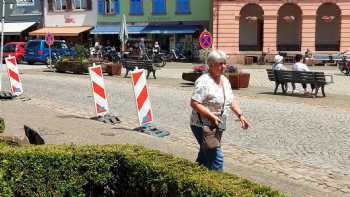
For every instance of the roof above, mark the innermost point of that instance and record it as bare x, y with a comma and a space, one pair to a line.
60, 31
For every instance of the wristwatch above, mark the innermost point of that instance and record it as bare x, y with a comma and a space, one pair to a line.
239, 115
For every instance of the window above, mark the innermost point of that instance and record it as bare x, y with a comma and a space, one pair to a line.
109, 7
80, 4
68, 5
136, 7
183, 7
10, 48
159, 7
61, 5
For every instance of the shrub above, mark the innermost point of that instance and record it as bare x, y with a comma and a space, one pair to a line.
112, 170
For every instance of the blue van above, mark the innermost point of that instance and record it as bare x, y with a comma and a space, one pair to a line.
38, 51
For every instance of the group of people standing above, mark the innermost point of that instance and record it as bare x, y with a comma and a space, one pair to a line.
297, 66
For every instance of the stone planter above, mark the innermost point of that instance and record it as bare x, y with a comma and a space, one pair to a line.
239, 80
114, 69
191, 76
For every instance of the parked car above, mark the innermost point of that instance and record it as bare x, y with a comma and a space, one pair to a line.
38, 51
16, 49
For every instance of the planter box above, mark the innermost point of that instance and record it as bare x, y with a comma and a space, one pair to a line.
240, 80
114, 69
72, 66
191, 76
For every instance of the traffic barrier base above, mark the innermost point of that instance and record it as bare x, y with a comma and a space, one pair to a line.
108, 119
152, 130
6, 95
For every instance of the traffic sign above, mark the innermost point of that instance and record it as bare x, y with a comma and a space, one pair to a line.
49, 38
205, 39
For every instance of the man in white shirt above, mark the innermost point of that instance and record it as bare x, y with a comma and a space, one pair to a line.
300, 66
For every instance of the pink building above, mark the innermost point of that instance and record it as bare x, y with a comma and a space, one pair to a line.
251, 27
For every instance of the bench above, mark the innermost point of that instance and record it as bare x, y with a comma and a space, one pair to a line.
131, 64
283, 77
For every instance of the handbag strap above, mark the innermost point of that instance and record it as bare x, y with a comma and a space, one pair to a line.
223, 105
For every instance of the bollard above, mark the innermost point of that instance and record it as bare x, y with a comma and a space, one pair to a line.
13, 73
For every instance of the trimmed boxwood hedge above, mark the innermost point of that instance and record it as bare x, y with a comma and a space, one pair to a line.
112, 170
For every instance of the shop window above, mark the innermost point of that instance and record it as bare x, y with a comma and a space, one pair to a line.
183, 7
159, 7
136, 7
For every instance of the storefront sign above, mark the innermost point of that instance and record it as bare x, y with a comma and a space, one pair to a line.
25, 3
69, 19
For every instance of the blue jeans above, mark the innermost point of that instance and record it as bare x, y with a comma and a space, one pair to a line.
212, 159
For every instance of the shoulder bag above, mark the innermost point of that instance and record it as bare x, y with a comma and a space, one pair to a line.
212, 134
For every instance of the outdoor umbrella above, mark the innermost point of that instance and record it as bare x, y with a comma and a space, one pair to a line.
123, 34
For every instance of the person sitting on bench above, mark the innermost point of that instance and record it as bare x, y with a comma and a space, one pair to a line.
300, 66
278, 65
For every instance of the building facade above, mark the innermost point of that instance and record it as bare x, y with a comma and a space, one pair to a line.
68, 19
291, 26
173, 23
20, 18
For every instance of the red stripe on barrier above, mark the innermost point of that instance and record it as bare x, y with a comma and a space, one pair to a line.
13, 89
142, 97
136, 77
100, 109
149, 117
97, 70
12, 60
99, 90
14, 75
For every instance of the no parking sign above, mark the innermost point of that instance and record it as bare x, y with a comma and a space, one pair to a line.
49, 38
205, 39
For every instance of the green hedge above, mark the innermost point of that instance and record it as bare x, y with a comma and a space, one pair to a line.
112, 170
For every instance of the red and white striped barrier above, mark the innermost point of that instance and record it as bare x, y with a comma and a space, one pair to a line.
99, 91
143, 103
13, 73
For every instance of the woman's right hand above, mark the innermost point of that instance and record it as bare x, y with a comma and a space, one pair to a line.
214, 120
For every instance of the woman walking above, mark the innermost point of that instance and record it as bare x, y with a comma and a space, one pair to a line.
211, 100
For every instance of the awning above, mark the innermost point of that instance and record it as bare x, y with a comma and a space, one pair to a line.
60, 31
146, 29
16, 28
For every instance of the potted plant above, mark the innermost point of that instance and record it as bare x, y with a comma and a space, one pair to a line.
237, 78
198, 70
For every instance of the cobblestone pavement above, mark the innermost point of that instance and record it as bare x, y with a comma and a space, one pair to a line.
307, 143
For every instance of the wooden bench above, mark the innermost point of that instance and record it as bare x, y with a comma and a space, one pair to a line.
283, 77
131, 64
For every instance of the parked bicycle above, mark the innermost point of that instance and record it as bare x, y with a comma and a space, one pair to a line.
344, 64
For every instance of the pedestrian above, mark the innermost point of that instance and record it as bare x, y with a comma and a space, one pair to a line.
300, 66
156, 48
142, 46
278, 65
211, 100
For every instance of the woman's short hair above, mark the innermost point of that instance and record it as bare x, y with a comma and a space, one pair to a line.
216, 56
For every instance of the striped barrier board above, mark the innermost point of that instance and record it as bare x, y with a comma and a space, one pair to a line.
99, 91
13, 73
143, 103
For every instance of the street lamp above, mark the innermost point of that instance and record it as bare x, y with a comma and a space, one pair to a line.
2, 34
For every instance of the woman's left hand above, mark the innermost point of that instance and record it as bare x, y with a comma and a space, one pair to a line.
245, 124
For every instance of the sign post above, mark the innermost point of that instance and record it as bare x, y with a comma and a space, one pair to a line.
49, 38
205, 41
